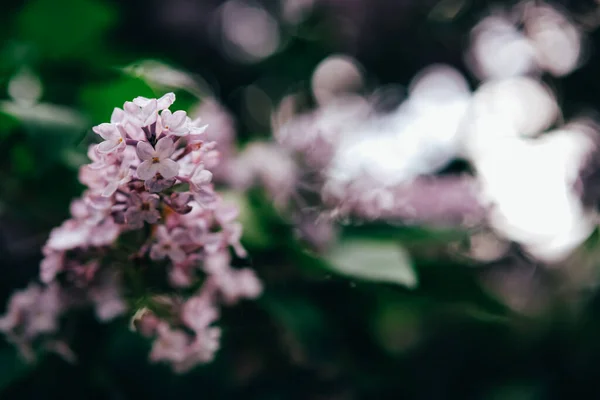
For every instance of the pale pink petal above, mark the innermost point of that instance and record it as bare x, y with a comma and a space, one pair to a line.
149, 113
147, 170
110, 189
107, 131
108, 146
197, 130
131, 108
135, 132
144, 151
176, 254
166, 115
166, 101
141, 101
117, 116
162, 233
178, 118
165, 147
201, 177
168, 168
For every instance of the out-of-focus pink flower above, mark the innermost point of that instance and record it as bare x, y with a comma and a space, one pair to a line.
121, 176
268, 165
238, 284
33, 311
168, 245
107, 297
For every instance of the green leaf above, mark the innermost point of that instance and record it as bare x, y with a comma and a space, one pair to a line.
374, 261
22, 160
100, 99
63, 28
12, 367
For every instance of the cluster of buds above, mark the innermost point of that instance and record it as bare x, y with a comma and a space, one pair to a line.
149, 235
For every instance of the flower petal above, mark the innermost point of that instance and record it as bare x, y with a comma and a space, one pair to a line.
141, 101
197, 130
135, 132
166, 101
131, 108
151, 216
144, 150
168, 168
162, 234
147, 170
117, 116
200, 178
107, 131
110, 189
178, 118
149, 113
176, 254
108, 146
166, 116
165, 147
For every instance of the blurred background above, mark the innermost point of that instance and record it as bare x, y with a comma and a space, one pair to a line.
360, 301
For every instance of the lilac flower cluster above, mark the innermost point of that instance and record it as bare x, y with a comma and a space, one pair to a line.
150, 209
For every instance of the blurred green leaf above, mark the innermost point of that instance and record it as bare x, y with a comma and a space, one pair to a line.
310, 334
22, 160
373, 260
163, 76
100, 99
12, 367
45, 116
62, 28
397, 324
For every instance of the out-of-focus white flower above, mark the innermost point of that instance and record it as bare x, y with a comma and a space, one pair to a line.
335, 76
294, 11
515, 107
549, 41
249, 32
557, 40
25, 88
528, 183
529, 186
315, 135
420, 137
498, 50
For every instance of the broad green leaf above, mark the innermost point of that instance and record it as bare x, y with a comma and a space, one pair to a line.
373, 260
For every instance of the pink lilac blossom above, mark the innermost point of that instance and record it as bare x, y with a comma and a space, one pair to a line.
149, 200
